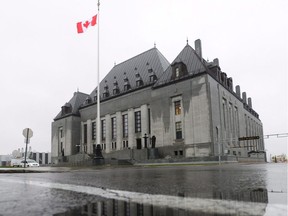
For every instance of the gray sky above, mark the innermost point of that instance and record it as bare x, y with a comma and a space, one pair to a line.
43, 60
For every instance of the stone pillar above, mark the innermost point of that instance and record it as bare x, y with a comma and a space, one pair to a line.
108, 133
119, 129
131, 128
144, 119
82, 137
89, 137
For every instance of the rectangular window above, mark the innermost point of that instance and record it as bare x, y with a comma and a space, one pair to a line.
93, 130
178, 127
177, 105
103, 127
177, 72
60, 132
125, 125
114, 145
114, 128
138, 122
85, 133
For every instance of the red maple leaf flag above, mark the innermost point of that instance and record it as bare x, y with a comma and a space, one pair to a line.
83, 26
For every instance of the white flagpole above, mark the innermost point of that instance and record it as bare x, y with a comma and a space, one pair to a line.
98, 80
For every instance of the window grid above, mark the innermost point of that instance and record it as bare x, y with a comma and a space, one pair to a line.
114, 128
103, 131
138, 122
93, 130
125, 125
178, 108
178, 127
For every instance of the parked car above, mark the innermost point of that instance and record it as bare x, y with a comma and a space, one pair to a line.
15, 162
29, 163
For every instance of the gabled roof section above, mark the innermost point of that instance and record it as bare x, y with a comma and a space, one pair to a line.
72, 107
128, 72
194, 64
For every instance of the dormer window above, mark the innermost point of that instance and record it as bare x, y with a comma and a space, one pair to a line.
152, 76
116, 88
127, 85
139, 81
106, 90
95, 96
179, 70
66, 109
88, 100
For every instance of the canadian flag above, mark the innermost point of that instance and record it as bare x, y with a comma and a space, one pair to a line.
83, 26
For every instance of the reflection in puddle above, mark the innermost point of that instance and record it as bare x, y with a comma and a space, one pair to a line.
250, 203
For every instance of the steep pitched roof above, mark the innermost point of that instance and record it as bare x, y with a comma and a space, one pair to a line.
138, 67
72, 107
194, 63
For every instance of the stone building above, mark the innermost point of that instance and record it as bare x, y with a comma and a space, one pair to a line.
187, 109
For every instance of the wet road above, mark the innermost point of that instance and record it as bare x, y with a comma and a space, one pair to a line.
232, 189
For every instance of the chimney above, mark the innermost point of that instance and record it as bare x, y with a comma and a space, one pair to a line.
250, 102
216, 61
244, 97
198, 48
238, 92
230, 83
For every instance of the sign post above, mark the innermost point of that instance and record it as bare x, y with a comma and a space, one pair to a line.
27, 133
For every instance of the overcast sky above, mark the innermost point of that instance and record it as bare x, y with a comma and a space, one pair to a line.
43, 60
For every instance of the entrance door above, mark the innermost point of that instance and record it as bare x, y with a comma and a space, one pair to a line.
138, 143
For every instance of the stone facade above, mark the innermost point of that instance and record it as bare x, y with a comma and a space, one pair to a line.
189, 107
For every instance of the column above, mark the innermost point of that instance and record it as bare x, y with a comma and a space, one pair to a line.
108, 133
131, 128
82, 137
119, 129
89, 137
144, 120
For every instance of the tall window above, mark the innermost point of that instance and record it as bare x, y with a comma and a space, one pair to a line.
60, 132
114, 130
138, 122
177, 105
236, 121
177, 72
93, 130
85, 133
103, 127
178, 127
125, 125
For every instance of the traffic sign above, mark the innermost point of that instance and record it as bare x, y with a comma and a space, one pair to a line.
27, 133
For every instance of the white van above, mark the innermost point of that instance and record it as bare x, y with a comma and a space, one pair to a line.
29, 163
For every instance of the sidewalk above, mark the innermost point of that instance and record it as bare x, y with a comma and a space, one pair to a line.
34, 169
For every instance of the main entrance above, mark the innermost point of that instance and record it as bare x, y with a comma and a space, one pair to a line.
138, 143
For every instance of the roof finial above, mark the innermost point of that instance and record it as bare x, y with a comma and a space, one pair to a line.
77, 89
187, 40
114, 63
154, 44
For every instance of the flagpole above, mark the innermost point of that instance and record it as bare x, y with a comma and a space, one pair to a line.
98, 79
